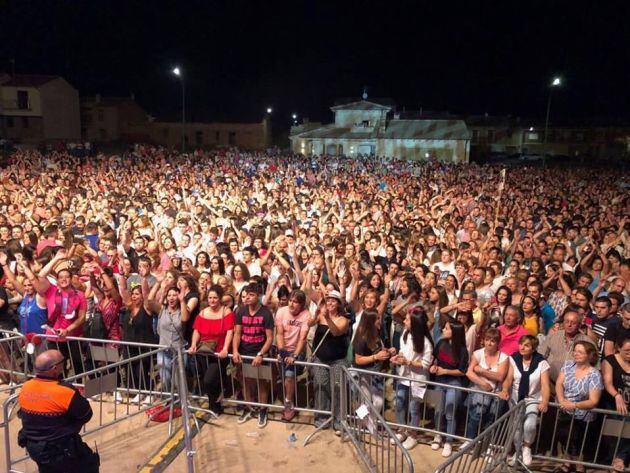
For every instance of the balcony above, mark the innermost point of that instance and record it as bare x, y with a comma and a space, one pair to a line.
14, 104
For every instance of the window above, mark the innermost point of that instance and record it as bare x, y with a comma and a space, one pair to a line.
24, 122
490, 136
532, 136
199, 137
10, 122
475, 135
22, 100
232, 138
579, 136
365, 123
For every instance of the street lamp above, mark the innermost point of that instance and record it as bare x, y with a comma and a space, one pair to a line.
177, 71
269, 110
294, 116
556, 82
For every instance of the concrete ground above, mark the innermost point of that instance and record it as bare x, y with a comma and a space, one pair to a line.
123, 447
223, 445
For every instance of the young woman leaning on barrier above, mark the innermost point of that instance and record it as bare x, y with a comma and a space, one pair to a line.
212, 333
616, 371
487, 370
370, 354
450, 366
413, 362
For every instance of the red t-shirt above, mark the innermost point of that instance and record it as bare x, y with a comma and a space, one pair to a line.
214, 330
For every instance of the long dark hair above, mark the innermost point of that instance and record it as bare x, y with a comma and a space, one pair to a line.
367, 329
458, 339
419, 329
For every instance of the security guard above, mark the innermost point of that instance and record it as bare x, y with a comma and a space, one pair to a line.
53, 414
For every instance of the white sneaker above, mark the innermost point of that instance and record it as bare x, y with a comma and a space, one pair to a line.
437, 440
135, 400
118, 398
400, 437
527, 456
447, 450
409, 443
464, 445
146, 401
512, 460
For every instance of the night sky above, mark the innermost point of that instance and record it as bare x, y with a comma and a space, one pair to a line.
467, 57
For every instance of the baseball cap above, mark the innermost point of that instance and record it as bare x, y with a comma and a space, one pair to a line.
288, 233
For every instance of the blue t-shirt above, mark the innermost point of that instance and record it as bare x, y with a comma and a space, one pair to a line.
32, 317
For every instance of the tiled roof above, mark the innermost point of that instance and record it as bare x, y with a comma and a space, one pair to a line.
396, 129
28, 80
360, 105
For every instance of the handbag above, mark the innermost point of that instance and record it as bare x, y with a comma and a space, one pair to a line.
95, 326
209, 346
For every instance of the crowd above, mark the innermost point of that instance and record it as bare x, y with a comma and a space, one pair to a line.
514, 283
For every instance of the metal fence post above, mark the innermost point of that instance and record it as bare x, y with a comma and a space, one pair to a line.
183, 399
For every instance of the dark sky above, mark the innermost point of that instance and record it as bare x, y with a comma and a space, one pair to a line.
240, 56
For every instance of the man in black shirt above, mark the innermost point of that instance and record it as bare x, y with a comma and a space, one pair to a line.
617, 331
602, 320
253, 336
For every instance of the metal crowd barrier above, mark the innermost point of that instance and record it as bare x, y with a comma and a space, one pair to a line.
376, 443
13, 362
595, 443
432, 399
489, 451
270, 389
137, 376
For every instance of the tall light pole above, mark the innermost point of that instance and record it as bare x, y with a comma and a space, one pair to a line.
556, 82
177, 71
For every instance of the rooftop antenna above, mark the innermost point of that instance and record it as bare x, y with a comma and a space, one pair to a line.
365, 95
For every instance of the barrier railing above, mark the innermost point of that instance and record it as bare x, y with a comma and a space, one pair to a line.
480, 409
13, 362
566, 437
376, 443
489, 451
137, 377
274, 385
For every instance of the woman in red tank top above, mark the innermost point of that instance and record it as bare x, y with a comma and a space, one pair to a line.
212, 335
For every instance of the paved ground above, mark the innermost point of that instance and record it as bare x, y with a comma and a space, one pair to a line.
123, 447
223, 445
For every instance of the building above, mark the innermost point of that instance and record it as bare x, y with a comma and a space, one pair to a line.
249, 136
37, 108
500, 136
123, 120
111, 119
369, 128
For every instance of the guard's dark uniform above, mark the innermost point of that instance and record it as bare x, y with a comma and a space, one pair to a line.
53, 414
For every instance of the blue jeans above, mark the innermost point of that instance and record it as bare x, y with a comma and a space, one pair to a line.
446, 411
405, 402
482, 411
165, 363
